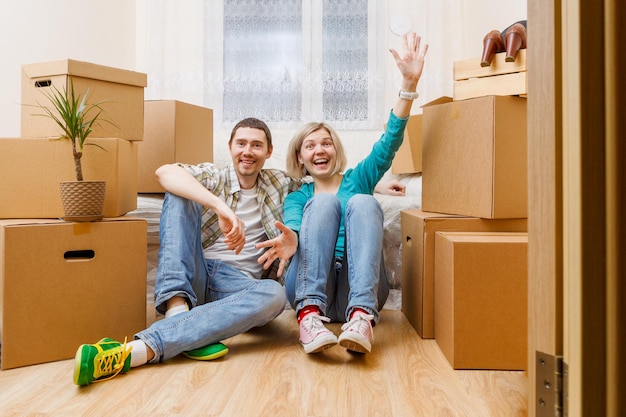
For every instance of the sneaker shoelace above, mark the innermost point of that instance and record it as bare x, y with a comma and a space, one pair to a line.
111, 361
312, 323
360, 323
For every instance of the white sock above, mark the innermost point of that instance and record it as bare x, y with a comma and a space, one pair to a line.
176, 310
138, 354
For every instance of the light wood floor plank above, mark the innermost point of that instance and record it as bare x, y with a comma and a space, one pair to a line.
266, 373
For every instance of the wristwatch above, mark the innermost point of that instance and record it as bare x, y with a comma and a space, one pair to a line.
407, 95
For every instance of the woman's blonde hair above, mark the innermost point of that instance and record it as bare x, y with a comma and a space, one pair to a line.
294, 168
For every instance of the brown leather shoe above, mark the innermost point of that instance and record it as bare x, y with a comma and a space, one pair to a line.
515, 39
492, 44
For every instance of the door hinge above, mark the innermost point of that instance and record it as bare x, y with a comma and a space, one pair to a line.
551, 385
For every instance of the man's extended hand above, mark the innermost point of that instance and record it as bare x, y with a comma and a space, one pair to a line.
282, 247
233, 228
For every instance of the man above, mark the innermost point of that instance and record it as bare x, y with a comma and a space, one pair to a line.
207, 282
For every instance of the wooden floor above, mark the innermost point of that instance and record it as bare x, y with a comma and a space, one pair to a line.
266, 373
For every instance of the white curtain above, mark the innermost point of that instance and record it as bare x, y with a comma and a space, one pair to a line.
263, 61
172, 51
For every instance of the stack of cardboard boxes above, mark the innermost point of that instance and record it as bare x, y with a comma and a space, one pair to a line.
64, 283
174, 131
464, 255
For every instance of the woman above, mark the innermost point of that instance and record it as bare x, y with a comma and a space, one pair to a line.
337, 273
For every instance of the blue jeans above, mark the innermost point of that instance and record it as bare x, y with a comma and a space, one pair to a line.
337, 286
224, 302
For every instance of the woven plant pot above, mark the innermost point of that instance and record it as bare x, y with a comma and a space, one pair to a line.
83, 201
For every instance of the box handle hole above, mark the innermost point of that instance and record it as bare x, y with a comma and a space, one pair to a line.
43, 83
79, 255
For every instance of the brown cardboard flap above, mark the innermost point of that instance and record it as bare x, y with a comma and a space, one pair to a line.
440, 100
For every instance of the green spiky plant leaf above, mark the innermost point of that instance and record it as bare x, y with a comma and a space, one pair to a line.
75, 116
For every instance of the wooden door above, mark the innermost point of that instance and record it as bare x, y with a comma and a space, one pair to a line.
576, 207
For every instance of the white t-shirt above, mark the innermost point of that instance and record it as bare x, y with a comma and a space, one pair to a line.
249, 211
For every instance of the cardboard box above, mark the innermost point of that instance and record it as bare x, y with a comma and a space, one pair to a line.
481, 299
31, 170
418, 258
408, 159
470, 68
515, 84
475, 157
501, 78
173, 132
63, 284
121, 90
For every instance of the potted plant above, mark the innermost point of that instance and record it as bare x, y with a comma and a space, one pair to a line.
82, 200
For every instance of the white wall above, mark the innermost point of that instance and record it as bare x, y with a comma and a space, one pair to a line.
98, 31
454, 30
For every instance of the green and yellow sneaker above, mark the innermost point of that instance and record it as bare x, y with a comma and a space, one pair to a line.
208, 352
100, 361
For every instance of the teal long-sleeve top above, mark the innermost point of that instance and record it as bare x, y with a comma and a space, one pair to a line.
361, 179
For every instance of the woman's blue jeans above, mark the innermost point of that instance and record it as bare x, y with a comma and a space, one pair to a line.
224, 301
316, 277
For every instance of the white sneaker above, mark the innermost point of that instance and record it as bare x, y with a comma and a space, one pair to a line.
358, 334
314, 336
